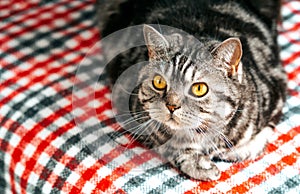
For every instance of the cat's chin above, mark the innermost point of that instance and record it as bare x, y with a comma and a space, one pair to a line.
173, 124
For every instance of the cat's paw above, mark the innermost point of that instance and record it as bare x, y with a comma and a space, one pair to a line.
237, 155
228, 157
202, 169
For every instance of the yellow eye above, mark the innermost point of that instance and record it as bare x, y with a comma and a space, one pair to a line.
199, 89
159, 82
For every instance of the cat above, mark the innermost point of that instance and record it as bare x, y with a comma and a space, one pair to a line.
235, 66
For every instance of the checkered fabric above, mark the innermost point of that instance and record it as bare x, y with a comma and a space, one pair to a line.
42, 149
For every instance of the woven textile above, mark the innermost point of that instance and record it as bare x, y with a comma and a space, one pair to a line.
42, 148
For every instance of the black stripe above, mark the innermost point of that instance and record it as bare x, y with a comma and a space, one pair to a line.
148, 99
143, 92
234, 121
167, 66
203, 111
182, 60
258, 96
187, 66
194, 72
229, 22
251, 64
228, 99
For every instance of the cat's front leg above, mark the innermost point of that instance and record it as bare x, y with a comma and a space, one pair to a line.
197, 166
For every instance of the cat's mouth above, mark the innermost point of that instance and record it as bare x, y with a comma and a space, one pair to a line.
173, 122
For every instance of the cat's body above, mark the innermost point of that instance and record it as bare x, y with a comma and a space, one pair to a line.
232, 97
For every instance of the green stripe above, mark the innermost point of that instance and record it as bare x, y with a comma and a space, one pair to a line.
2, 169
287, 185
289, 16
168, 184
137, 181
47, 170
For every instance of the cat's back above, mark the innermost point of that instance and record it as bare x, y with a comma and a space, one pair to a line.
189, 15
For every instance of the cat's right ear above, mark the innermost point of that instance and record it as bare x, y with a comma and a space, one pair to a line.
228, 56
157, 45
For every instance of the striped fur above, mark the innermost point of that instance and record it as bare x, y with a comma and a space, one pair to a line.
232, 122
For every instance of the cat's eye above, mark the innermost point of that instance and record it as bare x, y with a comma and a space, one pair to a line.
199, 89
159, 82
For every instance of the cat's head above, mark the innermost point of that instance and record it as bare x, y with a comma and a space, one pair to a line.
190, 88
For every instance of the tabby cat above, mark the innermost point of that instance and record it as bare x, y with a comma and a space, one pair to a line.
217, 100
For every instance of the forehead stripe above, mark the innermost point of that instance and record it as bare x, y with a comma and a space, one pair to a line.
183, 59
194, 72
187, 65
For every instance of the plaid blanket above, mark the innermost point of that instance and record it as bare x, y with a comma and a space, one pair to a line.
43, 149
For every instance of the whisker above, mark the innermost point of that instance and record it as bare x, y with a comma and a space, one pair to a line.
143, 127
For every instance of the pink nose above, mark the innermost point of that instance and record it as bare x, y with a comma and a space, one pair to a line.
172, 108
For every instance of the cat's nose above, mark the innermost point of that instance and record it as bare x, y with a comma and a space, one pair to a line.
172, 107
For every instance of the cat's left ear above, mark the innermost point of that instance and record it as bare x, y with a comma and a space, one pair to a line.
157, 44
228, 55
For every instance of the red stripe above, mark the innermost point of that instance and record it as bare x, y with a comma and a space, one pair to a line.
46, 65
29, 136
22, 5
17, 152
6, 147
92, 171
295, 28
33, 80
292, 58
235, 168
74, 188
106, 184
259, 178
291, 6
46, 21
86, 175
292, 41
5, 144
293, 76
49, 21
52, 179
39, 150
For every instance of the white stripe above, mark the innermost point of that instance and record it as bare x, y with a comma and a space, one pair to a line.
277, 180
182, 187
292, 121
139, 170
188, 61
189, 73
177, 60
259, 166
291, 67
